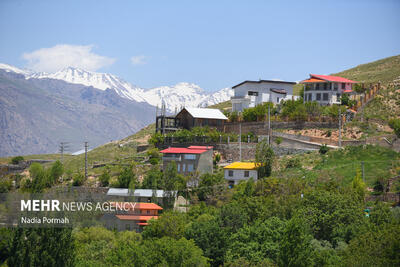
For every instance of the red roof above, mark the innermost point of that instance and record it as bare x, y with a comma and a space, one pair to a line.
332, 78
136, 205
200, 147
135, 217
144, 224
347, 91
147, 206
313, 80
183, 150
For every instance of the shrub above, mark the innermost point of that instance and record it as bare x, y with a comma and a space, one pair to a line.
105, 177
16, 160
395, 125
78, 180
5, 186
233, 116
278, 140
154, 156
328, 133
293, 163
323, 149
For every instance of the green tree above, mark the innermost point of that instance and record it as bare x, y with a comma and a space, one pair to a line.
264, 159
332, 216
105, 177
377, 247
41, 247
295, 247
170, 252
126, 178
172, 181
153, 179
358, 185
38, 176
209, 185
171, 224
17, 159
56, 171
257, 242
210, 237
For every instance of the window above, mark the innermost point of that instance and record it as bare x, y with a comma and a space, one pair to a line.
246, 173
319, 96
310, 97
230, 173
325, 86
317, 86
127, 227
190, 167
335, 86
277, 100
252, 93
343, 86
190, 156
183, 167
179, 167
325, 96
148, 212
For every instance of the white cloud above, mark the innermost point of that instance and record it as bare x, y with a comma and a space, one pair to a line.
139, 60
63, 55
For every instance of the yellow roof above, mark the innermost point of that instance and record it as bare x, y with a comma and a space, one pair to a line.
242, 166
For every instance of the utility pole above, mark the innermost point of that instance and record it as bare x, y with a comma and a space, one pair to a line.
269, 125
363, 172
240, 141
86, 150
340, 128
63, 148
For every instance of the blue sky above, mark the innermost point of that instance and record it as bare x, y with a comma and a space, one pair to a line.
214, 44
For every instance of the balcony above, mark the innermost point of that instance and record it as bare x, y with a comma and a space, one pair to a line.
172, 158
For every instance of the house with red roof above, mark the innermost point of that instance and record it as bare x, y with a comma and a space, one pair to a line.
131, 215
326, 89
189, 159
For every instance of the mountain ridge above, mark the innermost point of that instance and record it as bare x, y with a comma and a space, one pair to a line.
174, 97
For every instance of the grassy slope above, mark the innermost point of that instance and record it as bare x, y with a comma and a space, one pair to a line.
342, 165
385, 71
387, 103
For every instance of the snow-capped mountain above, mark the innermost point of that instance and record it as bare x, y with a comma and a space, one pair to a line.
174, 97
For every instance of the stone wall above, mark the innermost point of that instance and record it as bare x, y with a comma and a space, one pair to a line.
319, 140
260, 128
394, 142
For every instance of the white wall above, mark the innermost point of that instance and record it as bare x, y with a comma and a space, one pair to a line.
238, 175
264, 93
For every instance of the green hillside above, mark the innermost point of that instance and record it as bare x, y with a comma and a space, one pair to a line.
384, 70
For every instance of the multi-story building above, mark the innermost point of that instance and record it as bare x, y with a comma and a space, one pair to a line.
240, 171
188, 118
190, 159
326, 90
134, 216
248, 94
140, 195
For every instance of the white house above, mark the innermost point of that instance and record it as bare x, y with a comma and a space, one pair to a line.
239, 171
248, 94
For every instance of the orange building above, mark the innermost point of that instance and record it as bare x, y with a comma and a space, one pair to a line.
134, 216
